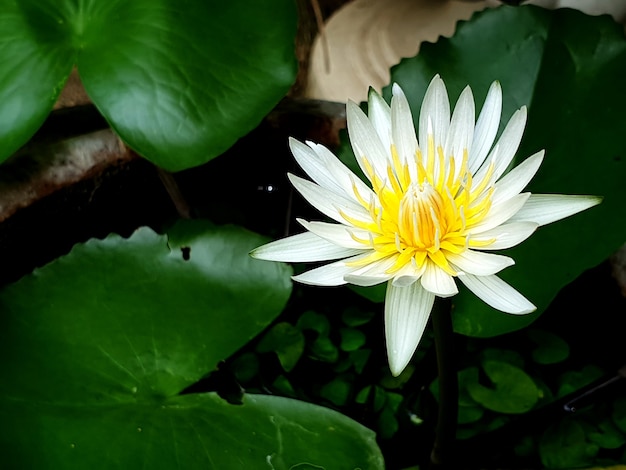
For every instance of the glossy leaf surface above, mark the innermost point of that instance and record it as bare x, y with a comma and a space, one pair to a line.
98, 346
179, 82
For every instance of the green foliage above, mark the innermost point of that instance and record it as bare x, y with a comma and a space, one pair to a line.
351, 339
575, 379
337, 347
563, 445
179, 83
106, 360
286, 341
513, 390
337, 391
550, 349
103, 348
619, 414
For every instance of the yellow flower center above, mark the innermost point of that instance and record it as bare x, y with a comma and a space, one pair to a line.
423, 211
421, 217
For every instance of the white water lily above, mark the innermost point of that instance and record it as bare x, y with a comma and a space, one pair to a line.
437, 204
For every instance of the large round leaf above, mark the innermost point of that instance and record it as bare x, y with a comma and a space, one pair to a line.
136, 318
188, 432
97, 346
179, 81
569, 69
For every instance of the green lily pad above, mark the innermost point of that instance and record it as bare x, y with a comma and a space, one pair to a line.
354, 316
189, 431
568, 68
286, 341
351, 339
98, 345
387, 419
179, 83
605, 434
503, 355
337, 391
311, 320
513, 390
618, 413
573, 380
245, 367
563, 445
550, 348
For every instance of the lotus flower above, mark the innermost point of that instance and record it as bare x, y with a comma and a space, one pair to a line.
436, 207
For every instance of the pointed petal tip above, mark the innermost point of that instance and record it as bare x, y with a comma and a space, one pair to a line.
547, 208
372, 93
351, 108
595, 200
396, 89
396, 369
260, 253
407, 310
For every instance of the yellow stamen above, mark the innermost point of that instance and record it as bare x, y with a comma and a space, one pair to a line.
422, 215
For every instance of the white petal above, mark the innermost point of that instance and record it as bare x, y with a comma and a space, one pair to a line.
515, 180
500, 213
404, 281
547, 208
327, 275
327, 202
480, 264
509, 141
365, 141
486, 127
342, 174
506, 235
402, 126
461, 132
435, 107
437, 281
498, 294
302, 248
379, 114
372, 274
407, 275
407, 310
327, 170
507, 145
337, 234
366, 280
315, 167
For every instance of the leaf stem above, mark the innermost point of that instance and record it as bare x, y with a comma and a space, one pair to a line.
442, 455
173, 190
